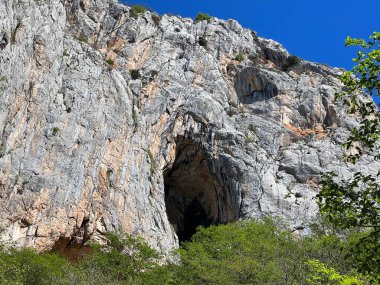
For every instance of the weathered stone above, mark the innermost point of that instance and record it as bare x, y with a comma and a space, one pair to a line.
108, 123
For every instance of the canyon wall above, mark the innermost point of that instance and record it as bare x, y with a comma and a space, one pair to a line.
117, 121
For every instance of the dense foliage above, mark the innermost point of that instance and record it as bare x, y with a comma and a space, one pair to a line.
321, 275
364, 78
237, 253
355, 202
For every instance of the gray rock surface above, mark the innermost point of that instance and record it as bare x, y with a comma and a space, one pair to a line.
152, 126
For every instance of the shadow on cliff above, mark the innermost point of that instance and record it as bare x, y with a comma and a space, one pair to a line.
193, 195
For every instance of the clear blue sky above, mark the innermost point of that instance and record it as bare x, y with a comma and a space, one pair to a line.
311, 29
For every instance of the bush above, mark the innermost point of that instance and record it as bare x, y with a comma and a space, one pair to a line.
156, 19
254, 253
202, 17
123, 260
55, 131
83, 39
136, 10
24, 266
319, 274
245, 252
110, 61
239, 57
289, 62
135, 74
249, 139
202, 42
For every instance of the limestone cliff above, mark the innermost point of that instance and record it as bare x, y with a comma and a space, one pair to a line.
154, 125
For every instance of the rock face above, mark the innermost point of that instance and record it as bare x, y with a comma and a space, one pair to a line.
115, 121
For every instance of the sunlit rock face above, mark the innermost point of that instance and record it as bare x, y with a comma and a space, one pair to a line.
115, 123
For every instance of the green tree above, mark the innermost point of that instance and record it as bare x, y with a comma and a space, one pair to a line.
253, 252
25, 266
355, 203
320, 274
203, 17
126, 260
122, 260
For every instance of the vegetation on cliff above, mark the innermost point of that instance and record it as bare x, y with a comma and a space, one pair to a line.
254, 252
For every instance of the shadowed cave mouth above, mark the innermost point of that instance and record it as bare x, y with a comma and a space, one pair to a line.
193, 195
252, 86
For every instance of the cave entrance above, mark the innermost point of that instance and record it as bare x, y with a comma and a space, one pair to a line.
71, 250
193, 194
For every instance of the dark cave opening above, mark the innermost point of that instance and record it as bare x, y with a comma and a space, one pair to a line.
193, 216
193, 195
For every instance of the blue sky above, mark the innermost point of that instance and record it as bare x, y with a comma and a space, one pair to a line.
311, 29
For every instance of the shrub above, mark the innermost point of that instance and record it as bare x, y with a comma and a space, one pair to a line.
55, 131
136, 10
320, 274
202, 42
289, 62
110, 61
135, 74
254, 253
153, 165
24, 266
239, 57
245, 252
83, 38
156, 19
249, 139
202, 17
121, 259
